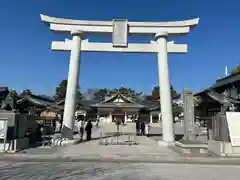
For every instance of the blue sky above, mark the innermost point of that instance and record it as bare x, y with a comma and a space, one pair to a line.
28, 63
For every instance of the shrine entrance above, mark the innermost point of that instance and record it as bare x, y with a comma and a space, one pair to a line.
119, 29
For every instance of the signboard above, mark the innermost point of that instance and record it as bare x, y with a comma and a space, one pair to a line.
3, 131
3, 124
120, 33
233, 120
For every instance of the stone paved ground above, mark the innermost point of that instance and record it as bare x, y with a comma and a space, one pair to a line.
156, 132
146, 151
111, 171
146, 146
51, 150
92, 148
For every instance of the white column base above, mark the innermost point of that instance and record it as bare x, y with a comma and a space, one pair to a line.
165, 144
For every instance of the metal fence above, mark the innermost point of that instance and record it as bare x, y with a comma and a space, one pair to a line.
118, 138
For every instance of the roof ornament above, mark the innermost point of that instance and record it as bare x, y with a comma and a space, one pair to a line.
226, 71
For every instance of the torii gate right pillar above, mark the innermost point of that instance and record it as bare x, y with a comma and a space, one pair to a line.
165, 92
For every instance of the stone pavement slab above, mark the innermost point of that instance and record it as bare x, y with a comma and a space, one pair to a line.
115, 171
146, 146
144, 158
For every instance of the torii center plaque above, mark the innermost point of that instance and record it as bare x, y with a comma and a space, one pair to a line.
120, 33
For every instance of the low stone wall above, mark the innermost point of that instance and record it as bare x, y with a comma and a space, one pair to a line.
192, 148
223, 148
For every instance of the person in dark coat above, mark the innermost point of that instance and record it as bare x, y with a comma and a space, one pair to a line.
142, 129
137, 127
39, 132
54, 124
88, 129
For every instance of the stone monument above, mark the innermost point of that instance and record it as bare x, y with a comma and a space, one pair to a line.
189, 117
189, 144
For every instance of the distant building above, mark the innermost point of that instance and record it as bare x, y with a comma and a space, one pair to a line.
117, 106
43, 108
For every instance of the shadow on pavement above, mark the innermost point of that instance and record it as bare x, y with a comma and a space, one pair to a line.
177, 136
97, 138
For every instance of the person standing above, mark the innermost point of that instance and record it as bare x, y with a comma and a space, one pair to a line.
81, 128
142, 129
88, 129
97, 124
137, 127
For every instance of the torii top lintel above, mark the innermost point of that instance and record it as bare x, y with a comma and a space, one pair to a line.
135, 28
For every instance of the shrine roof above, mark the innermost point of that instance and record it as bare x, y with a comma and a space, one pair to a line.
39, 101
175, 108
3, 88
120, 105
119, 100
109, 102
118, 95
3, 92
80, 104
222, 83
231, 79
35, 100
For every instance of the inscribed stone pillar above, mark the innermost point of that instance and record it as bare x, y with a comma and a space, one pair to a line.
189, 122
165, 93
73, 76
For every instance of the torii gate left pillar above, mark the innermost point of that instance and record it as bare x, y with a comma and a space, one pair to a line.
73, 80
165, 91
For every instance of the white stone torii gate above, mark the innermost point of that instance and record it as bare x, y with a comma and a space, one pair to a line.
120, 30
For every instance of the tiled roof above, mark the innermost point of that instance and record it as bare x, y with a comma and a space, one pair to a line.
121, 105
221, 83
40, 101
3, 88
96, 103
130, 102
3, 93
117, 95
175, 108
